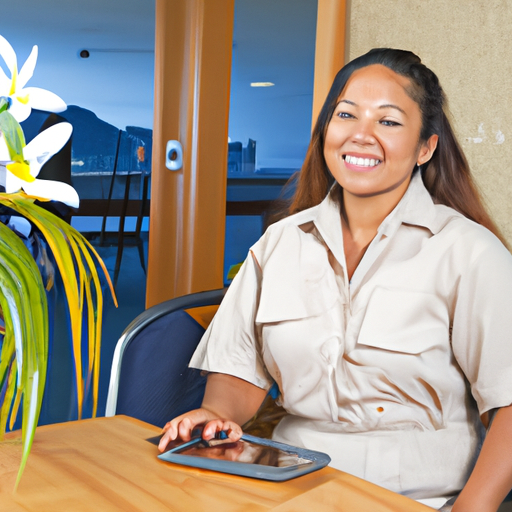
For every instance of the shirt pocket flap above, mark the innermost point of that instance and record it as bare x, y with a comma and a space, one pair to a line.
404, 321
298, 281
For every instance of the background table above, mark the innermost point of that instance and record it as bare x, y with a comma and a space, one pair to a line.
106, 464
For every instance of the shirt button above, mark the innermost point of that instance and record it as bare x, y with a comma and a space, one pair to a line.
380, 409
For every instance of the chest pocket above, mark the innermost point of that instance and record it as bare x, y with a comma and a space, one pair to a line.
404, 321
299, 283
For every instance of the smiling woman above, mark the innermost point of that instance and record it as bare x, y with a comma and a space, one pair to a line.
380, 309
372, 147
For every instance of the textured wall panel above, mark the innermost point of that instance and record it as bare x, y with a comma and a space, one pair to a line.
468, 45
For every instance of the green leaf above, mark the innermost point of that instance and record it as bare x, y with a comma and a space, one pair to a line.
13, 135
23, 302
24, 299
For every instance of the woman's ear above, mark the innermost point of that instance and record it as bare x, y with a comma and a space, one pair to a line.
427, 149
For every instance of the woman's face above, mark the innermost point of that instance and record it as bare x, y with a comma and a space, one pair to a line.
373, 139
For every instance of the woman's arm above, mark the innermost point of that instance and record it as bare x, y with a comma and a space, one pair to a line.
228, 403
491, 479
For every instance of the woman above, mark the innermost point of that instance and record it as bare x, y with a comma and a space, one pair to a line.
381, 308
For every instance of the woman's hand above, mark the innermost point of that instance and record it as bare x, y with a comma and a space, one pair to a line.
182, 426
225, 397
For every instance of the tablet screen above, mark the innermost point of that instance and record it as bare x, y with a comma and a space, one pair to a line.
245, 451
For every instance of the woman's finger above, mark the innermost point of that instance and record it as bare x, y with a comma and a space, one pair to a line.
187, 425
232, 429
181, 427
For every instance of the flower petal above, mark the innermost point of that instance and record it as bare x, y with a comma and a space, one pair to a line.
5, 83
21, 170
44, 145
43, 99
20, 111
8, 54
12, 183
54, 190
4, 150
27, 69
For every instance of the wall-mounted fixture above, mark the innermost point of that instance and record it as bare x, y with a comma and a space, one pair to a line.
262, 84
85, 54
174, 155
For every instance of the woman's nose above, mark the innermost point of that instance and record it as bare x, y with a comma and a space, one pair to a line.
364, 132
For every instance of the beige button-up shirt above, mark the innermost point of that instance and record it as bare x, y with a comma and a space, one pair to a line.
388, 372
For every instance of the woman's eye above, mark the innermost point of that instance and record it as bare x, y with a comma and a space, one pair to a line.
344, 115
386, 122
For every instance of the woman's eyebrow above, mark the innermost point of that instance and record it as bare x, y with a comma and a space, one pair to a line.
347, 101
390, 105
387, 105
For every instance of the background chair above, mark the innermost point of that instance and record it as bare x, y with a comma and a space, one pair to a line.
150, 379
130, 160
234, 157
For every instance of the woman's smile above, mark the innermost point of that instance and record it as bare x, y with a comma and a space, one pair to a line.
361, 163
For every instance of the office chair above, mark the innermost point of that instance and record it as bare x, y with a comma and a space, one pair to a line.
150, 379
130, 160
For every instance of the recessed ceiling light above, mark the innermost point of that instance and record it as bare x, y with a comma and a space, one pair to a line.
262, 84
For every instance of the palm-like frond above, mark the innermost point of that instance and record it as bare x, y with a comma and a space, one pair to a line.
24, 356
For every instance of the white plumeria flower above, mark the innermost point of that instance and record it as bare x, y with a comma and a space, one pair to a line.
22, 173
24, 99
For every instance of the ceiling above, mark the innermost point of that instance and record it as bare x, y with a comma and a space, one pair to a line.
273, 41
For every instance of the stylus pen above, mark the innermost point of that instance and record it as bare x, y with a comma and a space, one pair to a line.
221, 437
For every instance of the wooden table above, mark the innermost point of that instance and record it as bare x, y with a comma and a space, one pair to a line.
106, 464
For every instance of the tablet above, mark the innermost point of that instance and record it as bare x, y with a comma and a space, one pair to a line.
251, 456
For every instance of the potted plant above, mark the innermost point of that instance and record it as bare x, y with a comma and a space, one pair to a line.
23, 287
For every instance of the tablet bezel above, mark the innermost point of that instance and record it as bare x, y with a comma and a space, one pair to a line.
261, 472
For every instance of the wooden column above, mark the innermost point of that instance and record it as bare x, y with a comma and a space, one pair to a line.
192, 81
329, 50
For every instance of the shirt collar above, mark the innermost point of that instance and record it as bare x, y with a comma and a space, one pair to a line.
415, 208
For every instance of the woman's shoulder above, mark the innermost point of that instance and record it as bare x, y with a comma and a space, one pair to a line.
296, 219
289, 236
466, 235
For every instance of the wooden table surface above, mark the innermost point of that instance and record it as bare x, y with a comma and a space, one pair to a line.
106, 464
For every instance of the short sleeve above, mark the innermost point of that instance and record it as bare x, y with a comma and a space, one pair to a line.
482, 324
231, 344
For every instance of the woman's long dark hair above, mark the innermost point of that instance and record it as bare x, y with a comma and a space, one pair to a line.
446, 175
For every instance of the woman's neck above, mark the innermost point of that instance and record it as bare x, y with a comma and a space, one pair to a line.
360, 220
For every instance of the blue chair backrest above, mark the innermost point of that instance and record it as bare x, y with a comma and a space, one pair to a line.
155, 383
